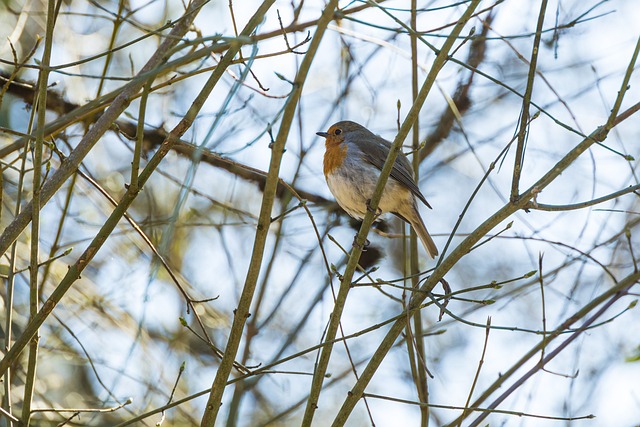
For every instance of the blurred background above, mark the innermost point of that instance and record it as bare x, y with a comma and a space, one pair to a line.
145, 323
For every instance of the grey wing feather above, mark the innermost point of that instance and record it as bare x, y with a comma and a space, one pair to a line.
401, 172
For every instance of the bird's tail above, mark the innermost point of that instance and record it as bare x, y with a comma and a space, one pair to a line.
421, 230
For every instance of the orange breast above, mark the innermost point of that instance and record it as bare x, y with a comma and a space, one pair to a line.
333, 157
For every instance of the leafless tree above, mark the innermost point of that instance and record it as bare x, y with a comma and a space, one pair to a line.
171, 254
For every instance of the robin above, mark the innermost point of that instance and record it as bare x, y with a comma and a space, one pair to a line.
353, 160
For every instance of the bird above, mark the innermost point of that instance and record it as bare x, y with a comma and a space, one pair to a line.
353, 159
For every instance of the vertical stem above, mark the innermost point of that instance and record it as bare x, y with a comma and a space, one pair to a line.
8, 325
242, 387
12, 263
35, 217
420, 376
526, 101
137, 151
56, 241
356, 393
12, 276
264, 220
107, 62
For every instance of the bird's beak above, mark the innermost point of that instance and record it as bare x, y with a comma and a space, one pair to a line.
322, 134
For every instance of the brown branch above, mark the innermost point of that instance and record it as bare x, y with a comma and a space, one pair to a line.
461, 99
154, 137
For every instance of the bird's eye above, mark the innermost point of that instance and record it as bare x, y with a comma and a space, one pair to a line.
337, 132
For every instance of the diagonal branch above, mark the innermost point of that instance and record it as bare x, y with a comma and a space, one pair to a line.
468, 243
607, 299
118, 213
334, 322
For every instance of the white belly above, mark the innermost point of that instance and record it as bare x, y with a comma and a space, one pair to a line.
353, 191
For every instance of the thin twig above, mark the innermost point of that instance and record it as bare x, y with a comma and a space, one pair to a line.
526, 102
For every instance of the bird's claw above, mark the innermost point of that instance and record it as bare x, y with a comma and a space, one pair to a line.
377, 212
362, 247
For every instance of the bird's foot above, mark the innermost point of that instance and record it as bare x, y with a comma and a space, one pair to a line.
362, 247
377, 212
